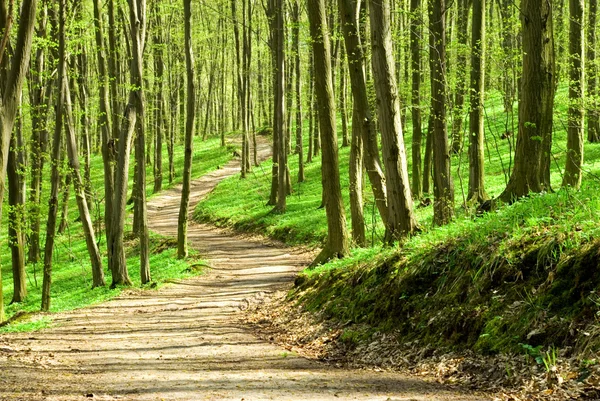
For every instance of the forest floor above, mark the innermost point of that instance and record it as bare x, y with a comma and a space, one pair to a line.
190, 340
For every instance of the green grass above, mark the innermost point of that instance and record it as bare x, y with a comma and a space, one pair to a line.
71, 279
242, 203
482, 282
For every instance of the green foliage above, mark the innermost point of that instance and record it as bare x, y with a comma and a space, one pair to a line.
525, 274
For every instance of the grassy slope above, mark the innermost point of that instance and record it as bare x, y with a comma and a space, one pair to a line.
71, 286
486, 281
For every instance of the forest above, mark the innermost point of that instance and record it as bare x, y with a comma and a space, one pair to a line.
401, 184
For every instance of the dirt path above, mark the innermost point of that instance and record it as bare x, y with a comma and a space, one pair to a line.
185, 341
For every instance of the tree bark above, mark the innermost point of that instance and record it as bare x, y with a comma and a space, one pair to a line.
417, 131
12, 73
337, 234
572, 176
56, 162
116, 251
550, 82
16, 212
40, 95
79, 186
401, 219
358, 82
443, 189
159, 112
593, 114
182, 249
477, 192
104, 122
526, 175
296, 51
461, 74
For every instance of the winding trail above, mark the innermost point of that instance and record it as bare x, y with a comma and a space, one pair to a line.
185, 342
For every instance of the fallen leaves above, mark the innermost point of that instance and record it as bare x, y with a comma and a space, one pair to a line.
508, 377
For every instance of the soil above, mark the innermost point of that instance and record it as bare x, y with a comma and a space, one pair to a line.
187, 340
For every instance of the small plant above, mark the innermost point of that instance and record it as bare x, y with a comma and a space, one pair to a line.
548, 358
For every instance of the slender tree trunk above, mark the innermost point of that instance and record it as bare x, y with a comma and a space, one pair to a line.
572, 176
296, 52
40, 95
476, 129
159, 111
428, 159
182, 249
79, 187
550, 82
461, 74
443, 206
66, 194
279, 128
16, 212
56, 161
592, 75
342, 97
311, 112
104, 122
364, 121
275, 17
337, 235
417, 136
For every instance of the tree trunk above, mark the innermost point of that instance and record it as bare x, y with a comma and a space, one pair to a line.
356, 182
79, 186
526, 175
572, 176
342, 98
550, 81
417, 136
182, 249
477, 192
279, 128
311, 112
16, 212
401, 220
159, 112
56, 161
364, 121
116, 251
443, 189
461, 74
40, 95
296, 51
592, 75
337, 235
104, 122
64, 211
13, 70
427, 168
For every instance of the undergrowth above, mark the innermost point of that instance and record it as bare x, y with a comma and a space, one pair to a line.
524, 274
